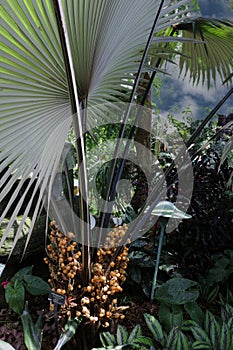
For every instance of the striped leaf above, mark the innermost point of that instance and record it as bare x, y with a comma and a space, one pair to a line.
143, 341
213, 292
182, 341
212, 329
107, 339
229, 310
172, 339
155, 328
200, 334
187, 324
122, 335
226, 337
230, 322
198, 344
135, 333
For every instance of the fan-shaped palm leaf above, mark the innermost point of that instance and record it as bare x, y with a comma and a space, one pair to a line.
105, 39
205, 62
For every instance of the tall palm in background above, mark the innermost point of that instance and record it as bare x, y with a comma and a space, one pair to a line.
60, 57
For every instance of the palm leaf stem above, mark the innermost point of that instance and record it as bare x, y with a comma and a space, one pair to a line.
77, 122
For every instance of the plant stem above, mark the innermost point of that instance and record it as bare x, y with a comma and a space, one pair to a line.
163, 224
80, 144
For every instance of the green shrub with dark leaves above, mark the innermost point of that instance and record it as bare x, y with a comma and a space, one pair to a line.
210, 333
177, 297
124, 340
21, 281
215, 333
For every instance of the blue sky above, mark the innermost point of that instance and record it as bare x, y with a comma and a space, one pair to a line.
215, 8
177, 94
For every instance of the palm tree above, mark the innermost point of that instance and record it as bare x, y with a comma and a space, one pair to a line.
60, 57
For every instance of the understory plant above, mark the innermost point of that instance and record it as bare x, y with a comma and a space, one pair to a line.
211, 333
15, 288
23, 281
33, 332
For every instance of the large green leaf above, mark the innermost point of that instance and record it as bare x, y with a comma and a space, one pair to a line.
155, 328
176, 291
15, 296
212, 328
195, 312
22, 273
70, 330
36, 285
32, 332
122, 335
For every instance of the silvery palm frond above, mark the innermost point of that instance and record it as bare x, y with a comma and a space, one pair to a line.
105, 40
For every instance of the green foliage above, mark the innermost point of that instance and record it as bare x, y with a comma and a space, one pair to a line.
222, 268
32, 332
142, 260
36, 285
214, 334
14, 295
170, 316
173, 340
155, 328
177, 296
177, 291
15, 289
215, 286
123, 340
69, 331
208, 293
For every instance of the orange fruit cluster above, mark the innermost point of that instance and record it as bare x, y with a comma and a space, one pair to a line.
96, 301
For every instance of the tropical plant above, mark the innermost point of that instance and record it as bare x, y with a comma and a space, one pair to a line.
178, 296
64, 63
124, 340
175, 339
96, 301
214, 333
210, 333
32, 331
39, 65
69, 331
21, 281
